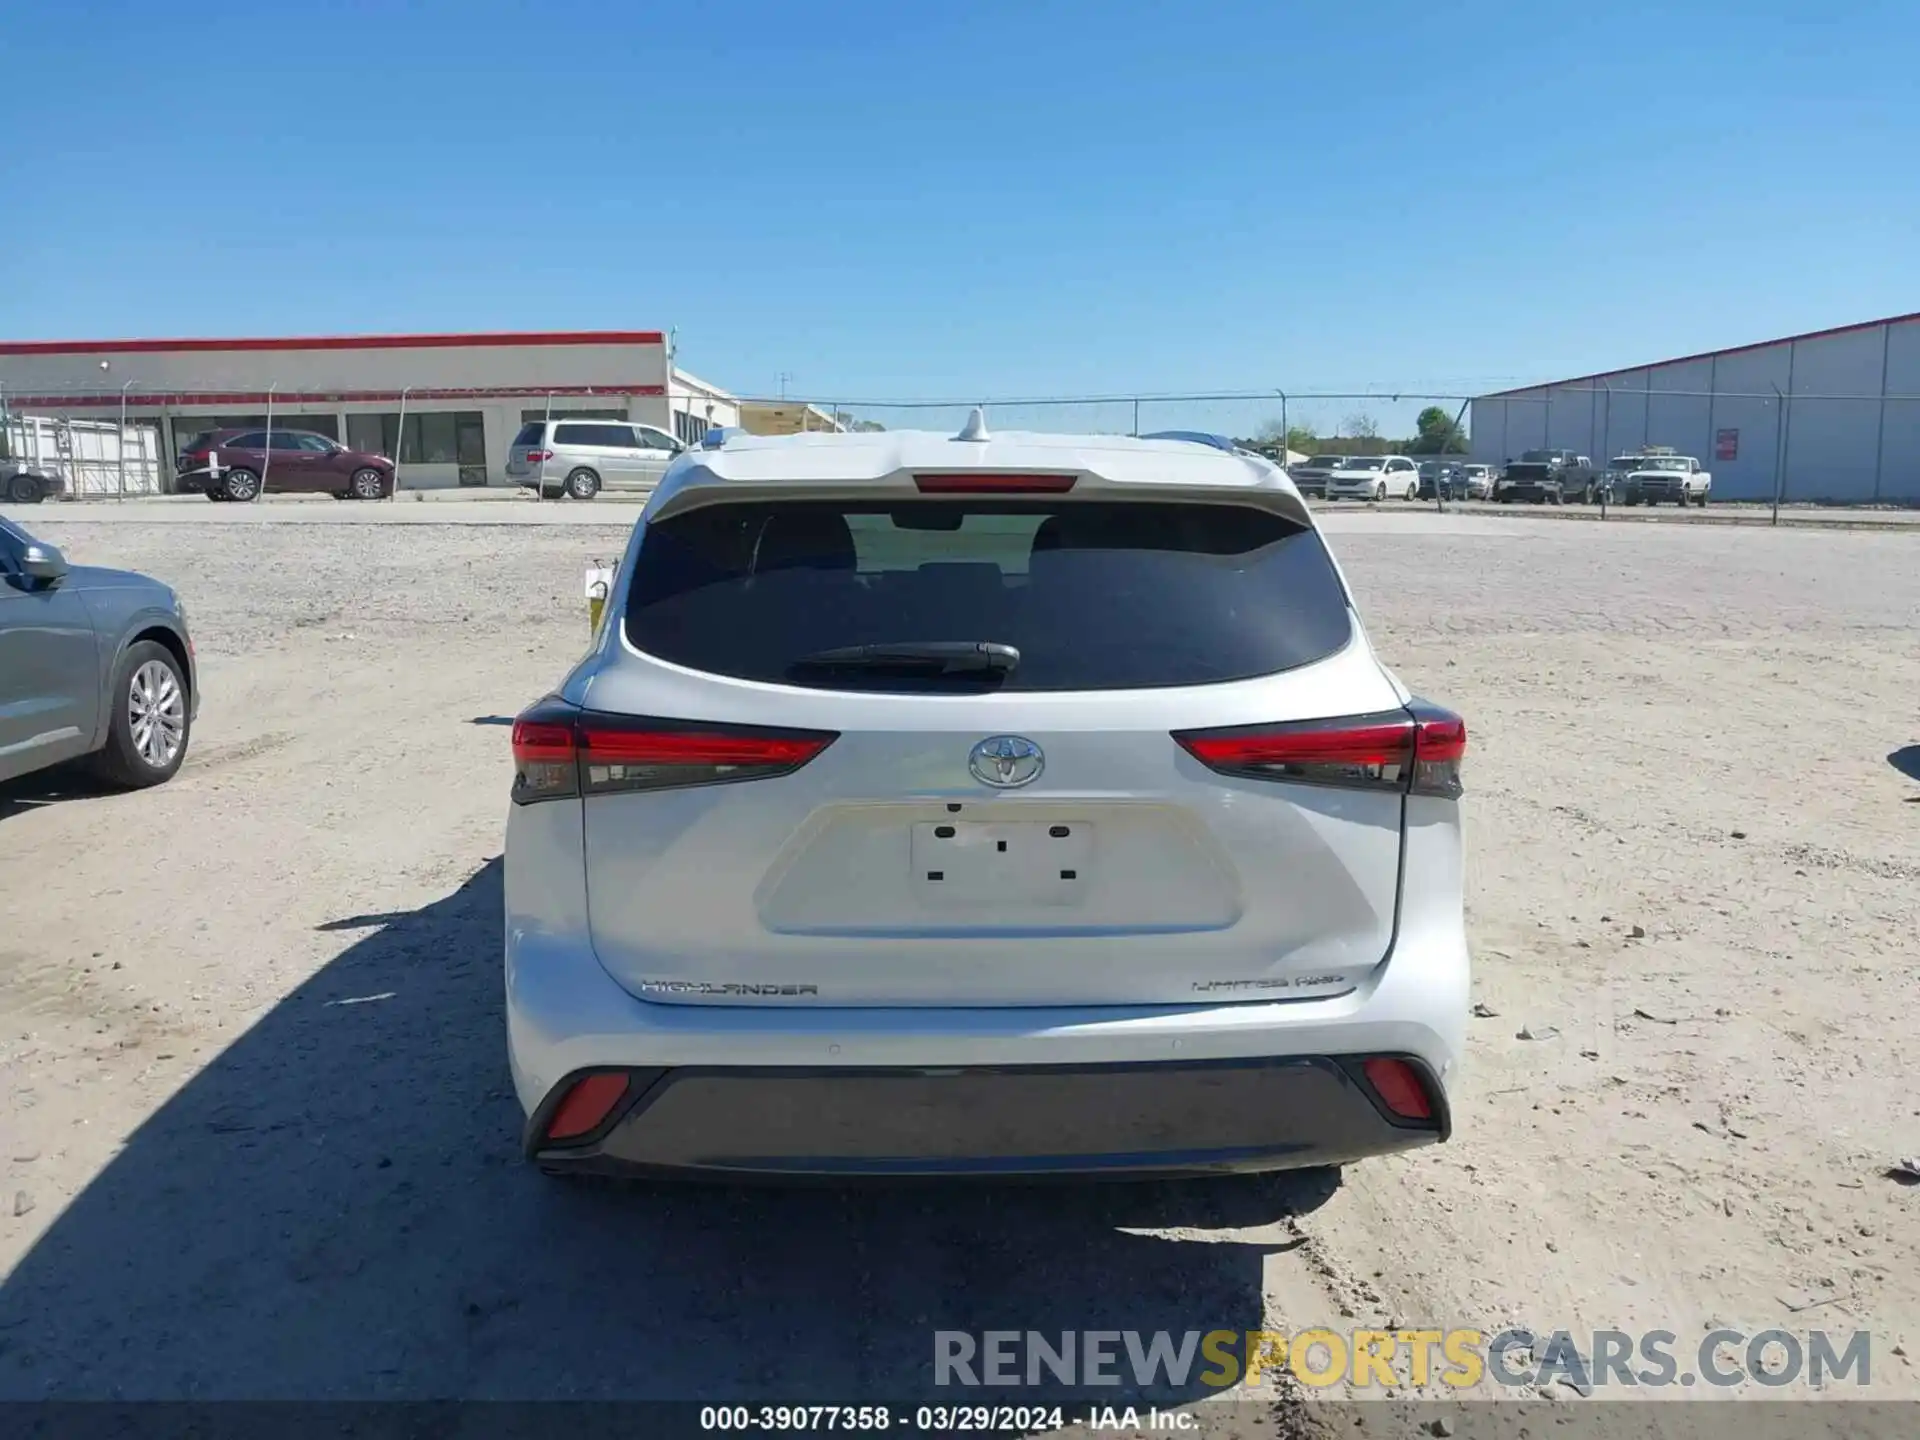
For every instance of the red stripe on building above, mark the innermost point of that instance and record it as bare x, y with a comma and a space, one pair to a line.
336, 342
138, 400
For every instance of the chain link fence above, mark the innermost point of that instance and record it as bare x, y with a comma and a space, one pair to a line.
1759, 445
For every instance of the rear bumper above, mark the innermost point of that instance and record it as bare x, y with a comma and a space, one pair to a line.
1188, 1118
1254, 1085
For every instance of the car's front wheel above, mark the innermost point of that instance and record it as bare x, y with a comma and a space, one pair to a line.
583, 484
147, 731
23, 490
241, 485
1380, 491
366, 484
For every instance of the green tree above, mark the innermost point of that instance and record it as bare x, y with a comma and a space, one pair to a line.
1301, 438
1436, 434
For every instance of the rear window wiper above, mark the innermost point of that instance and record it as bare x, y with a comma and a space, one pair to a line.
945, 657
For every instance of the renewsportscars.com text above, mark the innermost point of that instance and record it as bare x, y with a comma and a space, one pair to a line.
1364, 1359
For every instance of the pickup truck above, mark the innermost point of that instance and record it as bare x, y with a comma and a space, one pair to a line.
1547, 477
1658, 474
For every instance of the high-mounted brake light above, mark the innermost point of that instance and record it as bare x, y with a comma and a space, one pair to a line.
560, 752
1417, 750
973, 482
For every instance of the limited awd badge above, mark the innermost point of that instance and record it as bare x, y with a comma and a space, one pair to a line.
1006, 762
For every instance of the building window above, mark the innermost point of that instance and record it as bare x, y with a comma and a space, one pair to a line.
689, 427
433, 437
371, 434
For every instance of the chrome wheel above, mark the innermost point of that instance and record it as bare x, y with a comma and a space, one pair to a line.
242, 485
156, 714
366, 484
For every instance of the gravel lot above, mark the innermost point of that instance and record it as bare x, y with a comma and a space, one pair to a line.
259, 1139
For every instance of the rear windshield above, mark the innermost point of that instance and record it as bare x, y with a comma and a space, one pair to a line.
1094, 595
1324, 462
530, 433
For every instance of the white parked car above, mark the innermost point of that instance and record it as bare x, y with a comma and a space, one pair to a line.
1375, 477
1655, 475
1476, 482
982, 805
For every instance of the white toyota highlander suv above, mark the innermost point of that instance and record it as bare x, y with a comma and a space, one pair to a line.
1012, 804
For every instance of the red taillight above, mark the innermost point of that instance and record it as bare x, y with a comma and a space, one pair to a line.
559, 752
587, 1105
968, 482
1440, 744
1399, 1086
544, 763
695, 747
535, 457
1416, 750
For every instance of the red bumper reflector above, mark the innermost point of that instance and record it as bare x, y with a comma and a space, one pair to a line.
1398, 1083
586, 1105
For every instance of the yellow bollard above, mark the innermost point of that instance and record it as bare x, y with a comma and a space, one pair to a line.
599, 581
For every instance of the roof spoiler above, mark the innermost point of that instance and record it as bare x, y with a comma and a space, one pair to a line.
1198, 437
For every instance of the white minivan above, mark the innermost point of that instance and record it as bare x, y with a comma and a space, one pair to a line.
578, 458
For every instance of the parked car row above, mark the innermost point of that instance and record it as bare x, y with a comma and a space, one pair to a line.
1652, 474
574, 458
1385, 477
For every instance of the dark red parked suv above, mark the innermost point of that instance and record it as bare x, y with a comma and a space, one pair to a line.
239, 464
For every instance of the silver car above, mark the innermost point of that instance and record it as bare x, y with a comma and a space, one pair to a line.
992, 805
93, 662
578, 457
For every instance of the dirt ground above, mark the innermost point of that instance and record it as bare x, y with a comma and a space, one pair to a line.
258, 1138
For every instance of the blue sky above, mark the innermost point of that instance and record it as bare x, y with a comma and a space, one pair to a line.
1048, 197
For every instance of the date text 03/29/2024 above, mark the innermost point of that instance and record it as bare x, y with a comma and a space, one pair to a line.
939, 1419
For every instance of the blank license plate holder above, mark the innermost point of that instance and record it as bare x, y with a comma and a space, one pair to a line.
1044, 862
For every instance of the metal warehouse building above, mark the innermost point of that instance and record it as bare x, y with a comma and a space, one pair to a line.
1831, 416
447, 406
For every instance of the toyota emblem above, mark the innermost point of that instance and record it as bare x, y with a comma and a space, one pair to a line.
1006, 762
